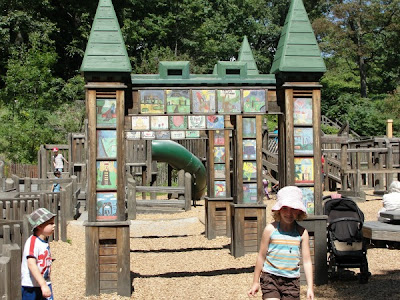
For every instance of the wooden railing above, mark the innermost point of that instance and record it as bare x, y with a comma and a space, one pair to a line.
183, 191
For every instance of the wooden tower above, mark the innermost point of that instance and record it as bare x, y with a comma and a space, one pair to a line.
107, 69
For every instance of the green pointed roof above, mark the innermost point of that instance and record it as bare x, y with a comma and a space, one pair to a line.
245, 55
105, 50
298, 49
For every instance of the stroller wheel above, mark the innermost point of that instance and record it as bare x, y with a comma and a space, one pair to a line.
364, 273
332, 267
363, 277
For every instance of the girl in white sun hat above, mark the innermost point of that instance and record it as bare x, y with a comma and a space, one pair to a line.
277, 269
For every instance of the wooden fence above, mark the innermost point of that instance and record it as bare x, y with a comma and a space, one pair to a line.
15, 228
21, 170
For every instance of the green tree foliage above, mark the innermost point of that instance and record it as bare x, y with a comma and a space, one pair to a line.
364, 34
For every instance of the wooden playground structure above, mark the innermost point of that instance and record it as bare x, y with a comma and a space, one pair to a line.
211, 129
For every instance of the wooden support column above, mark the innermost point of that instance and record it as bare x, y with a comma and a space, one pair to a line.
316, 227
107, 236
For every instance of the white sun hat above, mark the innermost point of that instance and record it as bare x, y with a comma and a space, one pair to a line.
290, 196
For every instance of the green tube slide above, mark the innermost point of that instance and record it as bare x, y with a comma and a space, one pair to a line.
181, 159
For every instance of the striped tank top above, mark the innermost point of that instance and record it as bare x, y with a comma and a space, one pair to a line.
283, 256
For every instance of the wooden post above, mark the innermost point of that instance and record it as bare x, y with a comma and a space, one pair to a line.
289, 137
120, 110
13, 251
316, 226
123, 262
343, 166
389, 163
27, 184
92, 261
188, 191
181, 182
5, 277
63, 215
131, 199
389, 128
316, 120
239, 160
92, 145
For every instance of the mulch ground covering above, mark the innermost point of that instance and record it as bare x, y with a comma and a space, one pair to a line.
172, 259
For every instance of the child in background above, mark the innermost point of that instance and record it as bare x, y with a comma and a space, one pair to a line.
56, 186
277, 269
58, 160
36, 258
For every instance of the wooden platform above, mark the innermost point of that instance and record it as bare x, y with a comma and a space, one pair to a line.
248, 223
218, 217
375, 230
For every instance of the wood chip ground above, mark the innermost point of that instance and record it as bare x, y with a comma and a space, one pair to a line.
171, 259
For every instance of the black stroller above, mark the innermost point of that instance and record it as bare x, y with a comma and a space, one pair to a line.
346, 246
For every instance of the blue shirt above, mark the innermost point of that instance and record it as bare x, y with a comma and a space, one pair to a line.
283, 255
56, 187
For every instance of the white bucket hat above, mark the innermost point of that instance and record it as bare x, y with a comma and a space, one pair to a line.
290, 196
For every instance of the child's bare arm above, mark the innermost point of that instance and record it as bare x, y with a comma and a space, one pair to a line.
307, 264
33, 268
260, 259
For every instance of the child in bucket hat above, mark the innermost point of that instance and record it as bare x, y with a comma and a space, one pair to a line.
36, 258
277, 269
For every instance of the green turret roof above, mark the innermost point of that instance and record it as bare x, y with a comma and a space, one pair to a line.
245, 55
298, 49
105, 50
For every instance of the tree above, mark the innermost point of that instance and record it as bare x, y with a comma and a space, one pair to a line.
29, 97
358, 31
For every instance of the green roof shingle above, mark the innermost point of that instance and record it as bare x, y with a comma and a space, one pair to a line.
105, 50
298, 49
246, 55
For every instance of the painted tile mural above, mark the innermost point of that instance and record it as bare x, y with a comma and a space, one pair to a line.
163, 135
249, 170
106, 175
302, 111
308, 199
219, 154
303, 140
178, 101
249, 149
220, 188
106, 113
229, 101
177, 122
192, 134
178, 135
254, 101
249, 127
203, 101
106, 206
249, 192
106, 143
159, 123
215, 122
140, 123
219, 138
304, 169
197, 122
219, 171
152, 101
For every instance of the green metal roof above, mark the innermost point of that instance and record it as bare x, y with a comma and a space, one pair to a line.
241, 72
245, 55
298, 49
105, 50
